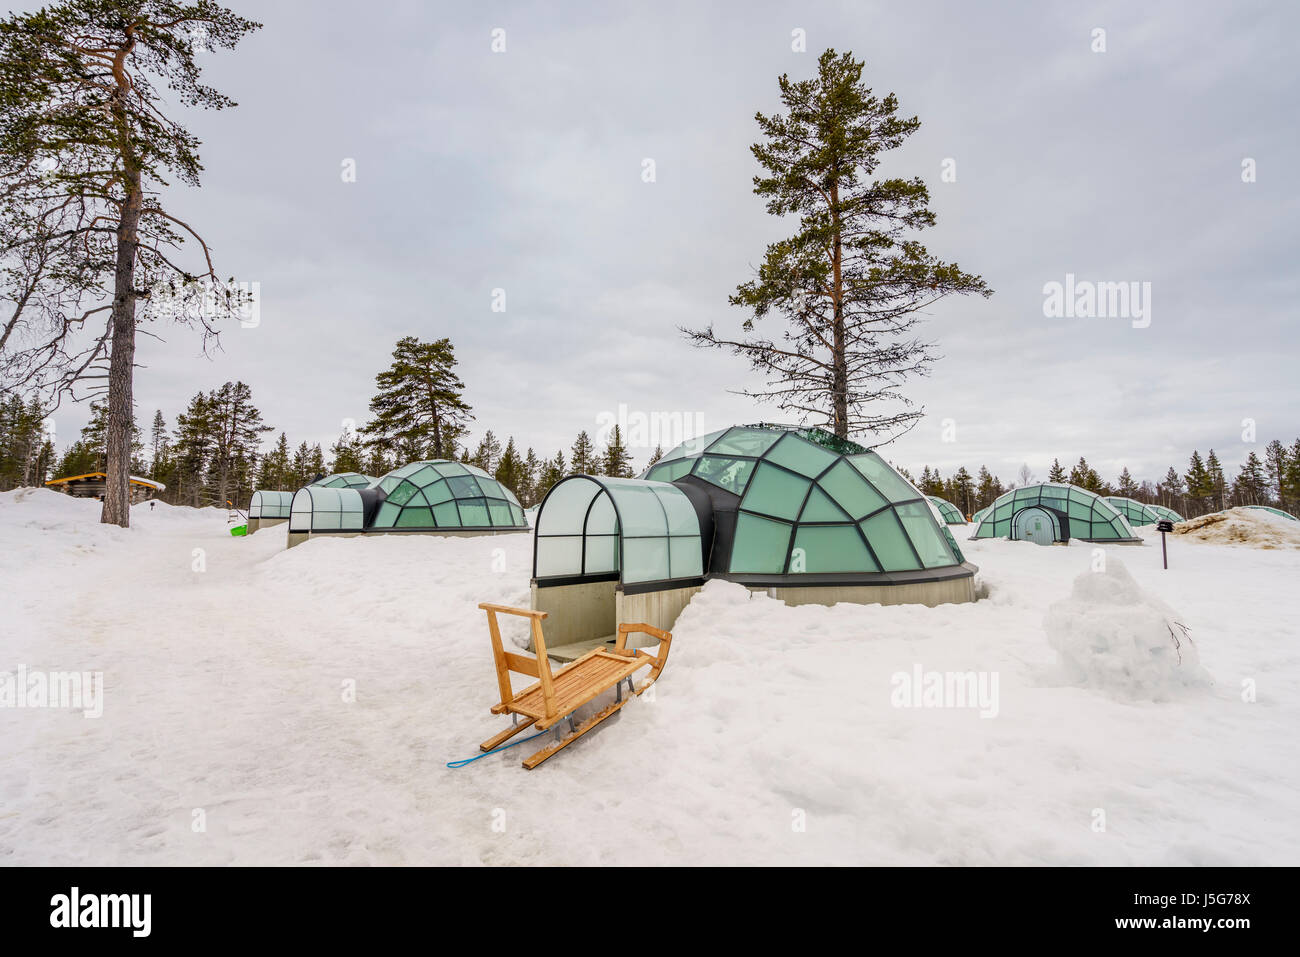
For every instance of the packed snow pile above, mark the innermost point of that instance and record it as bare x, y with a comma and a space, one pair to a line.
1111, 636
1242, 526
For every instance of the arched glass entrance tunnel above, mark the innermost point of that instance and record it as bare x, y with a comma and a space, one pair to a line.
611, 550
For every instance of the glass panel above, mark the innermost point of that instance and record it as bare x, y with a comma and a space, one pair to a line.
745, 442
851, 491
602, 519
474, 513
387, 516
352, 521
638, 507
1002, 529
925, 535
499, 513
686, 559
446, 515
760, 545
464, 486
402, 494
602, 554
889, 543
667, 471
325, 521
878, 473
559, 556
566, 507
692, 447
682, 519
451, 468
730, 474
830, 548
437, 492
801, 455
425, 476
775, 492
517, 514
415, 518
390, 482
491, 488
645, 559
820, 508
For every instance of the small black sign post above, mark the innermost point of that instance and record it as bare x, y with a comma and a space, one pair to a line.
1163, 528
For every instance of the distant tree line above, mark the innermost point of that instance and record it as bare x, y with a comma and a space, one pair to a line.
214, 452
1202, 488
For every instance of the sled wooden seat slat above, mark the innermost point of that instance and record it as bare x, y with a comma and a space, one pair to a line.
556, 695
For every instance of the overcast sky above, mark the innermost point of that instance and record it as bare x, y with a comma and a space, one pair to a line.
522, 171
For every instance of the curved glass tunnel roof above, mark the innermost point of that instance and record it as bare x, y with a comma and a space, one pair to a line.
599, 529
1136, 512
791, 504
951, 513
275, 504
979, 516
1081, 514
422, 496
270, 504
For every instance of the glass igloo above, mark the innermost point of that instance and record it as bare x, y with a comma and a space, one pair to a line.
1049, 512
443, 494
435, 496
795, 512
951, 513
345, 480
790, 504
1137, 513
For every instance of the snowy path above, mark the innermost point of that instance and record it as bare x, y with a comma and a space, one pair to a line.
225, 693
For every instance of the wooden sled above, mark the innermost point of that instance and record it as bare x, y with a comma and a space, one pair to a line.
556, 695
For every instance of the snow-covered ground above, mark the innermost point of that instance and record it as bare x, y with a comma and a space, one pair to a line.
773, 736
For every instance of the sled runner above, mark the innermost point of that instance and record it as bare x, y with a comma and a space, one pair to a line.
555, 696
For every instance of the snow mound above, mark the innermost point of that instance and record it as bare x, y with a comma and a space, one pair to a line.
1242, 526
1111, 636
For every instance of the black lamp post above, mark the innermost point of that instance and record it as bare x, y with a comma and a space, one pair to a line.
1163, 528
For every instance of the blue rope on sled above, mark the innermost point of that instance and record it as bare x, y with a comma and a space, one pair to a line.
465, 761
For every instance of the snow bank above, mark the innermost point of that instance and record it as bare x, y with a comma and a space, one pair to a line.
1242, 526
1111, 636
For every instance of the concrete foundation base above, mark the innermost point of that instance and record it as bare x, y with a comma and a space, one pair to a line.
952, 591
256, 523
297, 538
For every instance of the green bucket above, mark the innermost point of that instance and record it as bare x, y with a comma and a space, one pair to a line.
239, 530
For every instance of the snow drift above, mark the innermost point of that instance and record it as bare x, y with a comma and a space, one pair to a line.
1242, 526
1111, 636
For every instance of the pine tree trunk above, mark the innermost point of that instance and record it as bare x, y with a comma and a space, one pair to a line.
839, 362
117, 486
